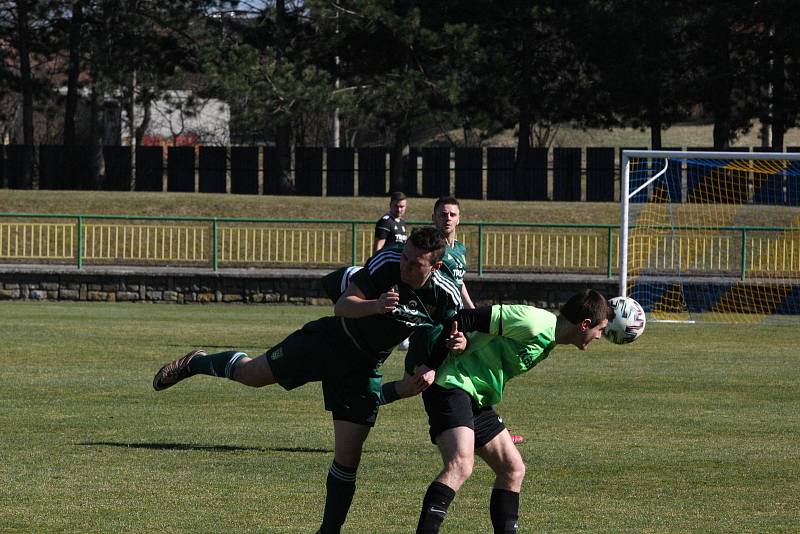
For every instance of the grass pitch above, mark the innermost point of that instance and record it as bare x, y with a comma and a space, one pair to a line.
691, 429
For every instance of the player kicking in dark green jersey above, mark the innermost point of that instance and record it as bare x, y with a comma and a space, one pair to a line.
507, 340
398, 292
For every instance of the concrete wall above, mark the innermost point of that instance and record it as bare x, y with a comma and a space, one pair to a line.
250, 286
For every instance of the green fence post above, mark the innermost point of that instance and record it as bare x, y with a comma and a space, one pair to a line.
608, 266
480, 249
80, 242
354, 248
744, 254
215, 233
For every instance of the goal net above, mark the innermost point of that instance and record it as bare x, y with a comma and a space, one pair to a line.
711, 236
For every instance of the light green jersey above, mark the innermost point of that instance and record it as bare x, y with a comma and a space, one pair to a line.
520, 337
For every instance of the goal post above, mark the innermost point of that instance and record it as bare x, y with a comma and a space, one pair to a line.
711, 235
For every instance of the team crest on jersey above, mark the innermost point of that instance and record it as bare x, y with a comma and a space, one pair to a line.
526, 357
409, 315
412, 304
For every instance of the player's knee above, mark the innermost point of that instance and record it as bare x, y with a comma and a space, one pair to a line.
254, 372
348, 458
460, 466
513, 473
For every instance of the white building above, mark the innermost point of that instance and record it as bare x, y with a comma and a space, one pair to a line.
181, 118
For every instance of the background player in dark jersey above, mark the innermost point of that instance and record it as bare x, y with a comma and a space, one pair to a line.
391, 227
398, 292
508, 341
446, 217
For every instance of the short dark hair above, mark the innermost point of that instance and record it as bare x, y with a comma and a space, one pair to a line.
396, 197
588, 304
445, 200
429, 239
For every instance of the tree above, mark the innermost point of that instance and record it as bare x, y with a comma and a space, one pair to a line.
16, 21
147, 40
73, 70
640, 53
265, 61
517, 65
720, 66
776, 38
391, 63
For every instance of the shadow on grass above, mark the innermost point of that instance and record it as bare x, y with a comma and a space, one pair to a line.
196, 447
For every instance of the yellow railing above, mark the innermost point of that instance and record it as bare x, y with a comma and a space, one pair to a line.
37, 241
544, 250
282, 245
150, 243
500, 247
775, 255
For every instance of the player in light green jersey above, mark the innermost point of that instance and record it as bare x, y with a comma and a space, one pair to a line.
446, 217
505, 341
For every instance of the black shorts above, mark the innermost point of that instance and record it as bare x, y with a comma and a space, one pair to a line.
319, 352
453, 407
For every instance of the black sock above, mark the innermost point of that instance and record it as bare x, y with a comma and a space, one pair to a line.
341, 486
219, 364
504, 510
434, 507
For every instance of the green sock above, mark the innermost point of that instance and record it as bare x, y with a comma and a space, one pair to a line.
220, 364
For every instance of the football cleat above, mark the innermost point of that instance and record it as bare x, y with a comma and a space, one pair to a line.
516, 440
175, 371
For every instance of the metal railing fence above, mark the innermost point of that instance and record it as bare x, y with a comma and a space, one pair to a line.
218, 242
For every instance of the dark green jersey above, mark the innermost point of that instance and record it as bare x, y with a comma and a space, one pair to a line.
455, 261
418, 311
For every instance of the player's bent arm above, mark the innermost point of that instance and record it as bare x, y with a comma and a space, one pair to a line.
354, 304
378, 244
450, 338
474, 320
409, 386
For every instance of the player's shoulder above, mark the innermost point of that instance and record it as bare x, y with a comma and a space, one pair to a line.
336, 282
443, 280
523, 317
386, 257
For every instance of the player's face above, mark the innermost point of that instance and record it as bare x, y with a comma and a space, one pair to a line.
588, 333
446, 218
398, 208
416, 266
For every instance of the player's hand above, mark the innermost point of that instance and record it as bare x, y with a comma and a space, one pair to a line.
456, 341
387, 302
412, 385
425, 376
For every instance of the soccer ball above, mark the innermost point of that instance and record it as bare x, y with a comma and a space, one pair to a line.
628, 323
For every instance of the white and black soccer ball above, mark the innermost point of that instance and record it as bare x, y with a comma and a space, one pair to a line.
628, 323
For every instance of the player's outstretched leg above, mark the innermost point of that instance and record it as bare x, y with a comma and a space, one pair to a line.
196, 362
